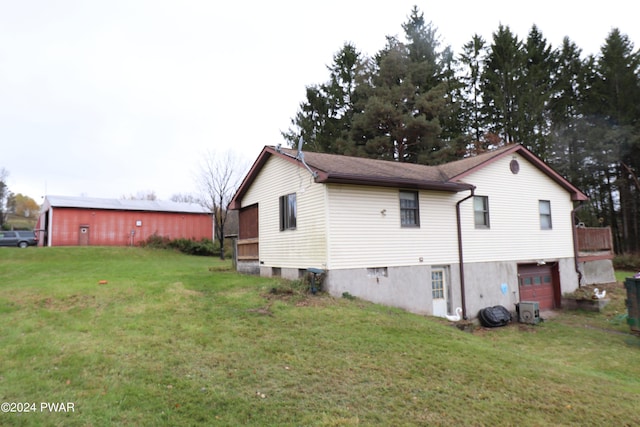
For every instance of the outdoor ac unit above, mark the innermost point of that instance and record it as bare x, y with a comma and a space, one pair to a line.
528, 312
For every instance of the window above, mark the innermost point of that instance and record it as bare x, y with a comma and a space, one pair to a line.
437, 284
288, 212
545, 214
481, 211
377, 272
409, 213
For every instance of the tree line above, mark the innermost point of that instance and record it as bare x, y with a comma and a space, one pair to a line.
415, 101
22, 209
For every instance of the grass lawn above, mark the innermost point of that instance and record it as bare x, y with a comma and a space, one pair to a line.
179, 340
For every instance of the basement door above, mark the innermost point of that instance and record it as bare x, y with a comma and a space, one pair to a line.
439, 291
539, 283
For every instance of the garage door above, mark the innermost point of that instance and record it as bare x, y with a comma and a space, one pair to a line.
538, 283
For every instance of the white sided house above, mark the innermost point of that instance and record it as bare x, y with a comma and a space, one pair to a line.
494, 229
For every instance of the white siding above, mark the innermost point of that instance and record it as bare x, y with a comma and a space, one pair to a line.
306, 245
364, 228
515, 232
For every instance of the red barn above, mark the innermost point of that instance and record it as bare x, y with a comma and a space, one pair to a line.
81, 221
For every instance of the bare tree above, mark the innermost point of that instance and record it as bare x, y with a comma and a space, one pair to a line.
141, 195
218, 179
184, 198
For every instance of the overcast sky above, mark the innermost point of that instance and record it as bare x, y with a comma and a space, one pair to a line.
105, 98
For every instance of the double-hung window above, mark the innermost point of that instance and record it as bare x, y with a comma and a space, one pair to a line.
481, 211
409, 212
544, 207
288, 212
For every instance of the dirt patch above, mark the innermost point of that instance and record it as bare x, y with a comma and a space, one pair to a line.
265, 311
67, 303
178, 288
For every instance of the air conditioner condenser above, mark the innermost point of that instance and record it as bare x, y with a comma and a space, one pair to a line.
528, 312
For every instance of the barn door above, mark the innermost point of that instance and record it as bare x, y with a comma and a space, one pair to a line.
83, 236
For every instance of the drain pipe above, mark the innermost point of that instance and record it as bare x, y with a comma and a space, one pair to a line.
460, 257
575, 243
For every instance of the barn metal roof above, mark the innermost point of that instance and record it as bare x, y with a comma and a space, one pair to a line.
123, 204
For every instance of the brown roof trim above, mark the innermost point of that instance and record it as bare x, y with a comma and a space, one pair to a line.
324, 177
249, 177
397, 182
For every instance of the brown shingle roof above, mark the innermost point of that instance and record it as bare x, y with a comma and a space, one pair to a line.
334, 168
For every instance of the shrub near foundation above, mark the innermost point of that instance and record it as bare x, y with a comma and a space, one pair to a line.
203, 247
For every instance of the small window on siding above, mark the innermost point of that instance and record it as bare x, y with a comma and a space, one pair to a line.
481, 211
288, 212
409, 212
544, 207
377, 272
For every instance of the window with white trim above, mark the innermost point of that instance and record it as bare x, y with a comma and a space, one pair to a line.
409, 212
544, 207
288, 212
481, 211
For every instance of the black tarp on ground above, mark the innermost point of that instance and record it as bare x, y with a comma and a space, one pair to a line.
495, 316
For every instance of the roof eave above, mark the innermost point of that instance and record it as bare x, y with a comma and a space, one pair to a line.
448, 186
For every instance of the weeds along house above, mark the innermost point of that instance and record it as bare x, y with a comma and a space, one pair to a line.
80, 221
493, 229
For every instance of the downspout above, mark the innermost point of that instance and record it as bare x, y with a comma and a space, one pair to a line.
460, 257
575, 243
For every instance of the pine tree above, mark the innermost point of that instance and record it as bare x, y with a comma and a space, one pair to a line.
535, 93
472, 60
501, 82
613, 113
400, 114
568, 151
324, 118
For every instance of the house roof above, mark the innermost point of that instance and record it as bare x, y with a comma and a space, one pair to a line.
333, 168
123, 204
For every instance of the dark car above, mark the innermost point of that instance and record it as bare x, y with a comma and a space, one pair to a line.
21, 239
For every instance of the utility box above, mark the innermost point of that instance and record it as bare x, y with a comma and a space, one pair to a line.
528, 312
632, 285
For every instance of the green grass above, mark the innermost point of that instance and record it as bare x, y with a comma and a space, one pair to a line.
179, 340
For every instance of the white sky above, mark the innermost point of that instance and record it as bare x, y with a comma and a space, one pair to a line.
106, 98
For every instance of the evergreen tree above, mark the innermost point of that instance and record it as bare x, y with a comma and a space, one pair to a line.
568, 152
613, 113
399, 116
535, 93
501, 81
324, 118
472, 60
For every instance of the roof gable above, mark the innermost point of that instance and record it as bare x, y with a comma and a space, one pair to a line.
460, 169
333, 168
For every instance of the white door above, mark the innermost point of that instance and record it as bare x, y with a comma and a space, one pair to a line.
439, 291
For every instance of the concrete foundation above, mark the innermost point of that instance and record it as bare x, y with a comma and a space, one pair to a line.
248, 267
409, 287
597, 272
